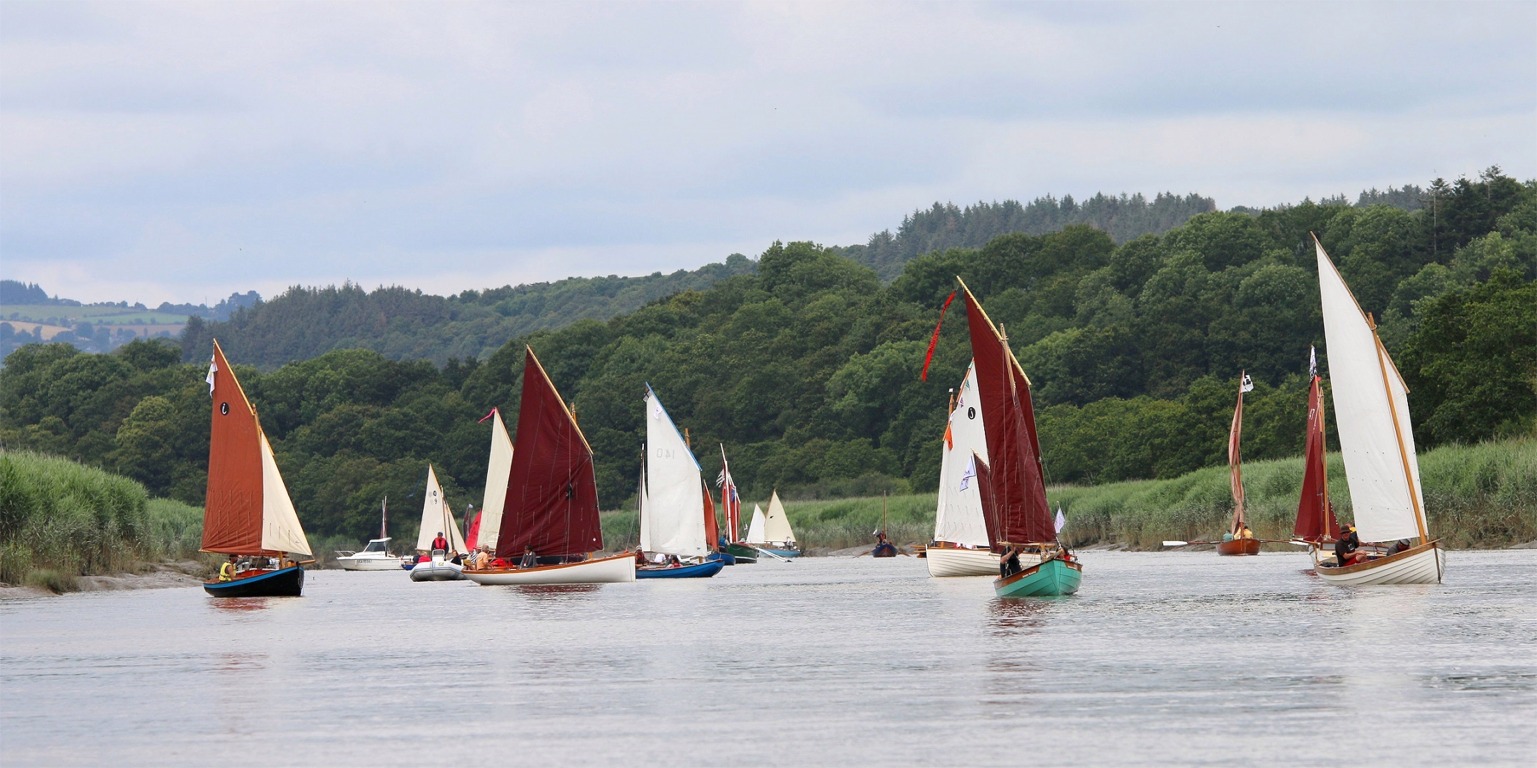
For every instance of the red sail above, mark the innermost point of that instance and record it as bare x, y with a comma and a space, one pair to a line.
232, 514
1014, 480
1314, 518
711, 527
552, 496
1236, 475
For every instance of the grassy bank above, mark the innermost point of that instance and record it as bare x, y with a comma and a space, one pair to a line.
1477, 496
60, 520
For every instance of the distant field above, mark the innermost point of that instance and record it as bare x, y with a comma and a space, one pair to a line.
54, 314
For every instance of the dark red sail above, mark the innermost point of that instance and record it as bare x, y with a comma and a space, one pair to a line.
552, 496
1314, 518
1014, 480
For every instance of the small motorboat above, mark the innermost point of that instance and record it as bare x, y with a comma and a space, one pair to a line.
374, 557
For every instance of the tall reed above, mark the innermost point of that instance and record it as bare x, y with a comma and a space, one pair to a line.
61, 520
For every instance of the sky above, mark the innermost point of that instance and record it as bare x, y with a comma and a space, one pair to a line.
186, 151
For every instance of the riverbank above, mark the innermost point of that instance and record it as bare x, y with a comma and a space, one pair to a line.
156, 576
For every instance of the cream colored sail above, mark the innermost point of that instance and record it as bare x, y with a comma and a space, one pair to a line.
498, 468
281, 531
437, 517
958, 516
755, 527
671, 516
776, 526
1371, 413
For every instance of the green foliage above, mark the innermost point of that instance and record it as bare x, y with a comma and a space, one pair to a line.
57, 515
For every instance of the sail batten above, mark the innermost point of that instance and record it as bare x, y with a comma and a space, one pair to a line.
1372, 416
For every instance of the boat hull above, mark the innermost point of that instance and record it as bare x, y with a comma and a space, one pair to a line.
884, 550
779, 551
437, 571
743, 553
702, 570
1423, 564
284, 582
724, 557
1046, 579
356, 563
953, 561
607, 570
1238, 547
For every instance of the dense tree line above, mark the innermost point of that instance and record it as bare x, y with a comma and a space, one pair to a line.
807, 368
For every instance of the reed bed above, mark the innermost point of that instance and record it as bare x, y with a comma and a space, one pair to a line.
60, 520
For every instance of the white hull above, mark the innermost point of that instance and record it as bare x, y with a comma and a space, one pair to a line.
1421, 565
441, 570
369, 563
961, 562
608, 570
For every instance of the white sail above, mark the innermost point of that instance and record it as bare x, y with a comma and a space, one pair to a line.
672, 514
281, 531
498, 468
436, 517
958, 516
755, 527
1371, 417
776, 526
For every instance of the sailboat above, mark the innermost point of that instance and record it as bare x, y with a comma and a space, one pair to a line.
673, 540
488, 526
550, 512
247, 512
1013, 484
770, 533
731, 507
1377, 443
1315, 515
437, 519
961, 546
1240, 540
376, 556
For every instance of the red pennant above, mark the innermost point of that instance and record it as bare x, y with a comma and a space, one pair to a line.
487, 416
934, 340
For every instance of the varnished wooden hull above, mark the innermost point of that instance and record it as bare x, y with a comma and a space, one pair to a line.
608, 570
702, 570
284, 582
954, 561
1423, 564
1238, 547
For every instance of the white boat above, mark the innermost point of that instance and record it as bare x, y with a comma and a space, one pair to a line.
550, 512
437, 520
1376, 436
961, 546
771, 532
673, 498
376, 556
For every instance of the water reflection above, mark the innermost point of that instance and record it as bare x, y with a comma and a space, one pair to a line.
1017, 616
236, 605
555, 592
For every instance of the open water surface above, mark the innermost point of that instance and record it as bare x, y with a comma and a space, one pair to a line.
1162, 659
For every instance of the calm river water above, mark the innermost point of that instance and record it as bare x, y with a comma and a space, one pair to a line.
1162, 659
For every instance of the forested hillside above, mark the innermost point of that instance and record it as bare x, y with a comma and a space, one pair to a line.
807, 369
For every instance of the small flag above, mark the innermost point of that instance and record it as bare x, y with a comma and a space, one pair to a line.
487, 416
971, 471
949, 438
213, 366
1312, 362
720, 479
1247, 385
1061, 519
934, 340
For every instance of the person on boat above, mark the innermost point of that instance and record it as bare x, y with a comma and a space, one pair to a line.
530, 559
440, 542
640, 558
227, 569
1346, 548
482, 557
1245, 533
674, 562
1009, 564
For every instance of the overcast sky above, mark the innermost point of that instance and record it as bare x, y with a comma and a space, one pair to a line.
185, 151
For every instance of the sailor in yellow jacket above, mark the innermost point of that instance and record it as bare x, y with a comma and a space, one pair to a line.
227, 569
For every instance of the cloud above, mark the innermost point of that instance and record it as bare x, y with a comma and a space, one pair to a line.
186, 150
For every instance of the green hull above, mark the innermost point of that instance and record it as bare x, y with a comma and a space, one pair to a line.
1049, 579
742, 553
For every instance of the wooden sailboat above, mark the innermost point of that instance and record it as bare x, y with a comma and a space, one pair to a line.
248, 512
731, 507
961, 546
437, 519
551, 505
883, 545
498, 468
1377, 443
1013, 484
376, 555
770, 533
673, 537
1239, 540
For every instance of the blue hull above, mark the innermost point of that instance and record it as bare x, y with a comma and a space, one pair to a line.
284, 582
702, 570
724, 557
1049, 579
781, 552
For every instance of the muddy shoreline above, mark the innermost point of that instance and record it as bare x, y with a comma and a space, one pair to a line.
157, 576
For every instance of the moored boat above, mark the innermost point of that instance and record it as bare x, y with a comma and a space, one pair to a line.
550, 514
1376, 437
376, 555
248, 513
